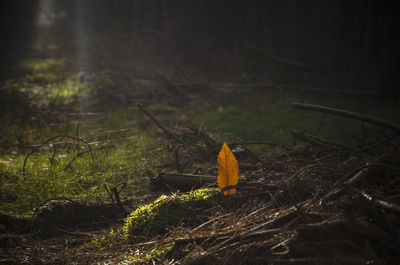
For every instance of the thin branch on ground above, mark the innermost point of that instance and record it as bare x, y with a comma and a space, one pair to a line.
166, 131
348, 114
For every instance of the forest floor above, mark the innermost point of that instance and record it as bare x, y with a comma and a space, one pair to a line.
82, 155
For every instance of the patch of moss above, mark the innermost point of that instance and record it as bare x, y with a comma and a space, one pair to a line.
169, 211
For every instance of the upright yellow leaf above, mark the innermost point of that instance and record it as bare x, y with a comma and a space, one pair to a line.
228, 171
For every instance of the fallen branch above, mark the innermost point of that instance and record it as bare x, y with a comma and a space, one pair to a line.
116, 192
52, 199
262, 143
270, 85
333, 195
70, 233
313, 140
342, 227
382, 204
183, 182
228, 236
208, 139
211, 221
84, 152
348, 114
78, 139
170, 87
109, 193
244, 238
166, 131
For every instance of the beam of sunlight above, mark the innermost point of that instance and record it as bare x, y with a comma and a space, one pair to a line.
81, 37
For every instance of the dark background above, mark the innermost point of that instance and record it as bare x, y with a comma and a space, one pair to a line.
335, 44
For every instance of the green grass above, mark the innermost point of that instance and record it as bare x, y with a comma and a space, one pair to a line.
46, 176
260, 118
48, 91
48, 84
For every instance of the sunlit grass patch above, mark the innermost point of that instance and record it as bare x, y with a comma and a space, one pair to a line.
52, 172
44, 69
43, 65
260, 118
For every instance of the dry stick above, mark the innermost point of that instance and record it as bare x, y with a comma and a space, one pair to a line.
34, 150
211, 221
255, 156
348, 114
166, 131
272, 226
262, 143
363, 133
49, 140
205, 135
52, 199
317, 141
243, 238
146, 243
116, 195
320, 124
109, 193
379, 143
348, 183
84, 152
53, 156
270, 85
168, 85
366, 204
382, 204
71, 233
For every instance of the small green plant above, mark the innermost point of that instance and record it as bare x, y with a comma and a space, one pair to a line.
169, 211
113, 239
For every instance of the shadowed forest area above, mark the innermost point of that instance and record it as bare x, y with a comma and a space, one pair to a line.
114, 115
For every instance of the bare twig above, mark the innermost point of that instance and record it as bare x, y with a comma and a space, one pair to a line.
320, 124
71, 233
380, 142
348, 114
36, 148
171, 87
382, 204
180, 181
272, 85
84, 152
166, 131
116, 192
313, 140
262, 143
208, 139
348, 183
49, 200
109, 193
211, 221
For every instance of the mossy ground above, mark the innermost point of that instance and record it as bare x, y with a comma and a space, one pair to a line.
48, 97
52, 95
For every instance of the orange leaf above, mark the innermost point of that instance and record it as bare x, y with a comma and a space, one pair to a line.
228, 171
